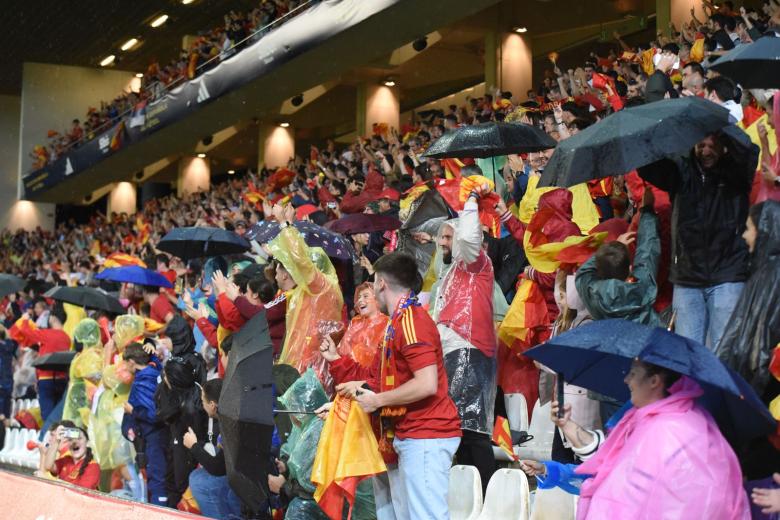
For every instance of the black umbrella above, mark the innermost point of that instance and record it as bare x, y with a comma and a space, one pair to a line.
58, 361
87, 297
632, 138
363, 223
195, 242
752, 66
10, 283
489, 140
334, 245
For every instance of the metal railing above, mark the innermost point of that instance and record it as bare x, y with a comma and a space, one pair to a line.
158, 90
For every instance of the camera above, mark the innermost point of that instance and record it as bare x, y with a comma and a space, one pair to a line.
71, 433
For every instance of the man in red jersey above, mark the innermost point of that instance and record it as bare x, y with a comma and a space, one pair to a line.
408, 385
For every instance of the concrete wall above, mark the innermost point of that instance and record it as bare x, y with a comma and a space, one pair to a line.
54, 95
15, 214
122, 198
276, 146
194, 176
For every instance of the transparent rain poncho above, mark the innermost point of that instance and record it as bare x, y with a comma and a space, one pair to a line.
471, 373
105, 423
305, 394
316, 297
85, 372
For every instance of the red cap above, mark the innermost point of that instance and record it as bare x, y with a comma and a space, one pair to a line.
389, 193
305, 211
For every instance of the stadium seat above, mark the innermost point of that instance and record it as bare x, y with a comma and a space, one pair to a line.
553, 504
10, 434
508, 496
543, 429
464, 496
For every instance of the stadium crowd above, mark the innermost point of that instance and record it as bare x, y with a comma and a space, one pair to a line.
207, 50
411, 288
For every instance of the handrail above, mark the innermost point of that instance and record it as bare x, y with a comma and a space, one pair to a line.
178, 81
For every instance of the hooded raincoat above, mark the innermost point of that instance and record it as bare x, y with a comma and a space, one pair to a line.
316, 297
664, 460
615, 298
462, 303
754, 329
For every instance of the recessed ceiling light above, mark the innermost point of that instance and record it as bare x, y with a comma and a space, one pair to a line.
389, 83
108, 60
284, 125
157, 22
201, 156
187, 2
139, 74
129, 44
231, 172
520, 30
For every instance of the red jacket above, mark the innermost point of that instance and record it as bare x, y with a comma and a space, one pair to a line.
352, 203
49, 341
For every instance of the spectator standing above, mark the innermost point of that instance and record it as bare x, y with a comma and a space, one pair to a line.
709, 189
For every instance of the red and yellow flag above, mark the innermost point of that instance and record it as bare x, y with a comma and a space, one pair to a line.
502, 437
527, 319
122, 260
346, 454
18, 329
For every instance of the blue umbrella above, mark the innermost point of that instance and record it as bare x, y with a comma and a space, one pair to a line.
196, 242
598, 355
334, 244
135, 274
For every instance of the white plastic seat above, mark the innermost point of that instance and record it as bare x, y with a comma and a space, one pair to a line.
34, 403
543, 430
553, 504
25, 404
508, 496
17, 453
10, 434
464, 496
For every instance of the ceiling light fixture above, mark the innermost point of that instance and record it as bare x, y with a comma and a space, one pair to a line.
187, 2
129, 44
139, 74
389, 82
108, 60
520, 30
201, 156
157, 22
285, 124
231, 172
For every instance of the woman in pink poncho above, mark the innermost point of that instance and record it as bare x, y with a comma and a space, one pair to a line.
665, 459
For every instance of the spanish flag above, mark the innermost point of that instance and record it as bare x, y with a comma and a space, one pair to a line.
502, 437
18, 330
527, 322
122, 260
585, 214
697, 49
253, 195
452, 168
346, 454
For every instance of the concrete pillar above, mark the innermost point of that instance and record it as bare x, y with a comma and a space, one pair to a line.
194, 175
15, 213
491, 59
122, 198
679, 12
515, 65
377, 104
276, 146
663, 15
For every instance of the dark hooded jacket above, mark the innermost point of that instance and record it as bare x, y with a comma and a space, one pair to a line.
708, 212
753, 331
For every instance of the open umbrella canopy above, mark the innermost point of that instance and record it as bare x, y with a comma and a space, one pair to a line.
87, 297
752, 66
59, 361
10, 283
334, 245
598, 355
631, 138
135, 274
363, 223
490, 140
196, 242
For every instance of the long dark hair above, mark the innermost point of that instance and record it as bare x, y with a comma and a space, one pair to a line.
88, 456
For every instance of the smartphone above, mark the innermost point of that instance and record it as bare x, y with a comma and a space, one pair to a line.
332, 205
71, 433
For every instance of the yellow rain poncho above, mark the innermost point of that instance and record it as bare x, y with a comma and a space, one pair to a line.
316, 297
85, 373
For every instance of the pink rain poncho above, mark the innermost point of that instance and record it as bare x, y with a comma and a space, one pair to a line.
666, 460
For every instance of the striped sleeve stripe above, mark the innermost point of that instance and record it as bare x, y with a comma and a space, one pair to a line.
407, 323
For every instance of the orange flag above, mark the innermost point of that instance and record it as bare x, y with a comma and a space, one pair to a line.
527, 319
122, 260
346, 454
502, 437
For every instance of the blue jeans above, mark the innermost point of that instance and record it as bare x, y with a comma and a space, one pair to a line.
214, 496
419, 485
703, 312
50, 391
